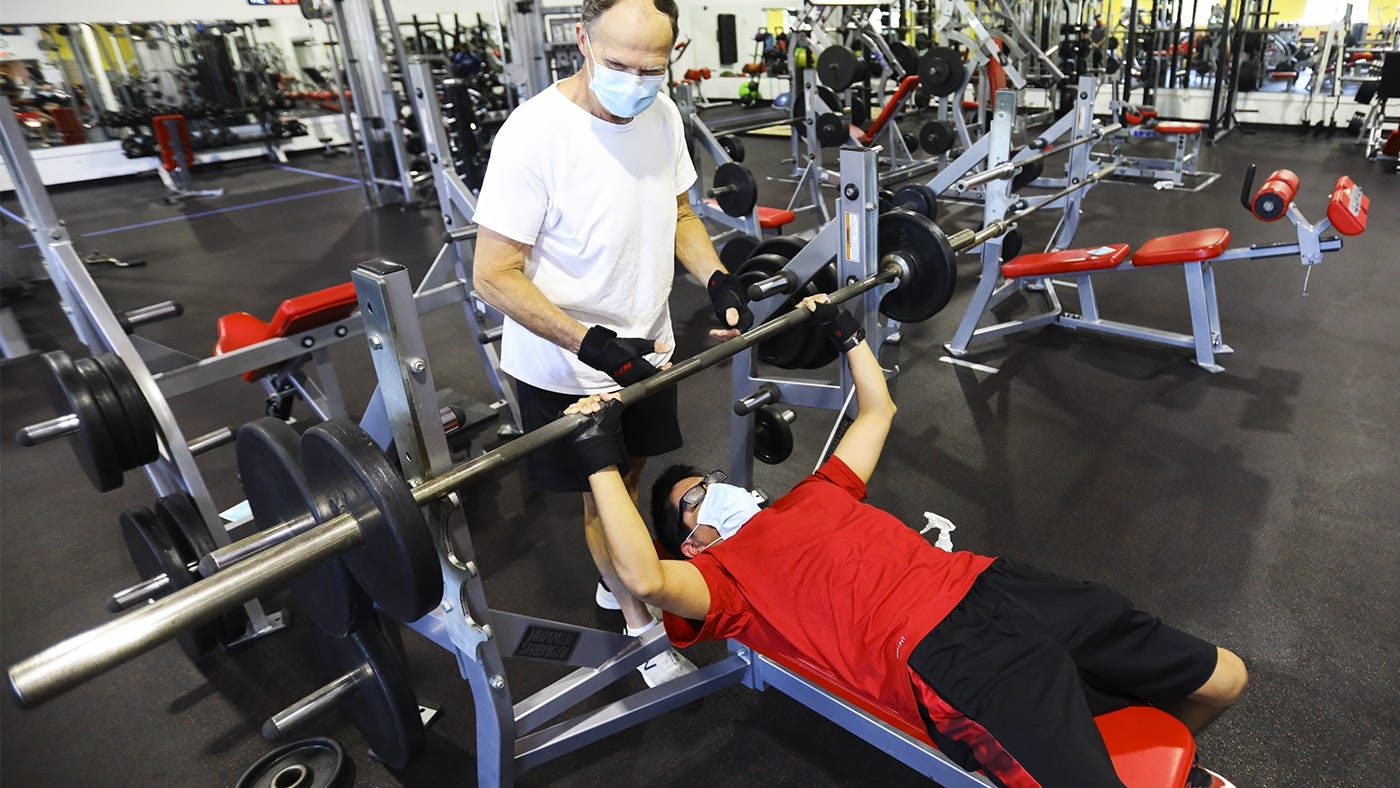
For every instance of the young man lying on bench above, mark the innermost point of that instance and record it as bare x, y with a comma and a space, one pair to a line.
1006, 665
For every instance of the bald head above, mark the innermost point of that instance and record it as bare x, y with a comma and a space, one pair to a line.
653, 18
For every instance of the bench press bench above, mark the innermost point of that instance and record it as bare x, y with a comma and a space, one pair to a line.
1149, 748
1184, 136
1196, 252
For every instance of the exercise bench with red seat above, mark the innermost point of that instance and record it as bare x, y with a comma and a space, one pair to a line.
240, 331
1196, 252
1142, 122
1149, 747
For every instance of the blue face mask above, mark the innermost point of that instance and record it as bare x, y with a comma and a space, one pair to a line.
726, 508
622, 94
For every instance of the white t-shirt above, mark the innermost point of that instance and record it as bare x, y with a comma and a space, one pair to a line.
597, 203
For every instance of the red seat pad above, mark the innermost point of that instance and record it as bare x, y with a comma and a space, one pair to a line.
1171, 127
240, 329
1066, 261
1183, 247
770, 218
1149, 747
237, 330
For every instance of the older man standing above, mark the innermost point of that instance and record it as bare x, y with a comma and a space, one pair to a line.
582, 214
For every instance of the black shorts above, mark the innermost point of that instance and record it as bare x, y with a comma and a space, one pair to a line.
1011, 680
649, 427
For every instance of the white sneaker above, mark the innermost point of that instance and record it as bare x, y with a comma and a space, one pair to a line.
664, 667
605, 598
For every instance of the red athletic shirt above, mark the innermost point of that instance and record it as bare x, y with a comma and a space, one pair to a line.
841, 585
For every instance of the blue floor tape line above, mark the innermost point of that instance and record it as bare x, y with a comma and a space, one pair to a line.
216, 211
287, 168
17, 217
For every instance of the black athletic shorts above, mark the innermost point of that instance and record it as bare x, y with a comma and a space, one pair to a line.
1011, 680
649, 427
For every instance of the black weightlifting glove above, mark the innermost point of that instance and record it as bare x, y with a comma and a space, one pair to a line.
726, 293
838, 325
598, 444
620, 357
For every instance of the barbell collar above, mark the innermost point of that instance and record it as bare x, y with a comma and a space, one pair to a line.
84, 656
767, 394
45, 431
315, 703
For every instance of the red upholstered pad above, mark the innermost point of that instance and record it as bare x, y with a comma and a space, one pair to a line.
1067, 261
1149, 748
770, 218
240, 329
237, 330
1348, 207
1183, 247
1170, 127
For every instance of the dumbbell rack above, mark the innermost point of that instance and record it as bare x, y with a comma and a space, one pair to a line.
97, 327
852, 239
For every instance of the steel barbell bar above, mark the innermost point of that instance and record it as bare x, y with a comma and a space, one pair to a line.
1008, 168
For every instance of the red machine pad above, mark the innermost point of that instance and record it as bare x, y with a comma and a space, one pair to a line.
1172, 127
161, 125
1067, 261
1271, 202
1183, 247
240, 329
1149, 748
1348, 207
906, 86
773, 218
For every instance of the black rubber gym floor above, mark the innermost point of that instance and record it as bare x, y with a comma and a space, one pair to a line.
1255, 507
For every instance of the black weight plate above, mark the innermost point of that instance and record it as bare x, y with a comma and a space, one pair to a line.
906, 57
837, 67
269, 462
1011, 244
933, 274
936, 137
832, 130
733, 147
194, 541
155, 550
136, 523
941, 71
743, 198
860, 107
817, 350
383, 706
833, 101
785, 349
310, 763
111, 409
785, 246
92, 442
911, 141
918, 198
886, 200
1026, 174
398, 564
772, 436
736, 250
141, 422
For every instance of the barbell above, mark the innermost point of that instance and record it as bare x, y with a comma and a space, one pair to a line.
373, 507
1009, 169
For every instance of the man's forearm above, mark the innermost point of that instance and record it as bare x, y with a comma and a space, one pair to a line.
693, 246
514, 294
633, 554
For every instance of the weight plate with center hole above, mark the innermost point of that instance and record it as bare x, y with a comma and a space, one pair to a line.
192, 537
932, 273
397, 564
832, 130
737, 250
1027, 173
140, 420
310, 763
860, 107
906, 57
786, 348
383, 706
919, 198
740, 190
155, 550
837, 67
941, 71
886, 200
936, 137
1011, 245
772, 434
911, 141
269, 462
92, 441
113, 417
733, 147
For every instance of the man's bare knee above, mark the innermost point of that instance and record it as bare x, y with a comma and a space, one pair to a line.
1226, 684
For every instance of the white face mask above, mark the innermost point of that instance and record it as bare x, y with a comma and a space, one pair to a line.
726, 508
622, 94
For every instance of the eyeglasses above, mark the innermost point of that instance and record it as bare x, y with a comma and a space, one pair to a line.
693, 497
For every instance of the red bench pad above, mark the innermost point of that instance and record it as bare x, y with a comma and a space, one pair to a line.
1183, 247
1168, 127
240, 329
1066, 261
772, 218
1149, 747
1348, 207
